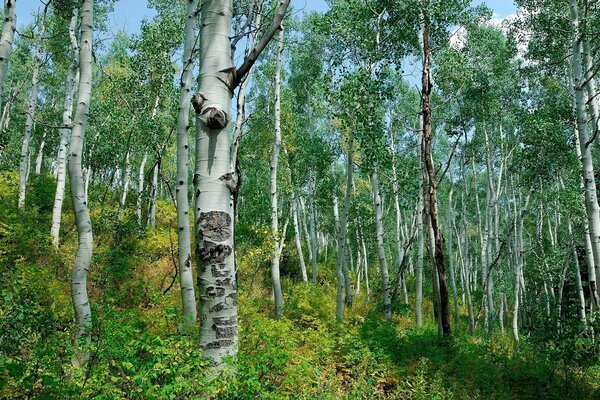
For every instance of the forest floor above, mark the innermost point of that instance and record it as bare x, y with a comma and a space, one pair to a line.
138, 354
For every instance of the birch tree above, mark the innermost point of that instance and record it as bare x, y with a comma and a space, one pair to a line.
79, 291
214, 185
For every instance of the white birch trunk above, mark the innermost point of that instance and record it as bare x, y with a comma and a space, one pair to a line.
420, 232
343, 276
40, 156
591, 200
450, 260
188, 298
213, 186
276, 279
6, 40
140, 189
151, 221
65, 132
313, 230
590, 87
387, 295
297, 239
126, 181
79, 292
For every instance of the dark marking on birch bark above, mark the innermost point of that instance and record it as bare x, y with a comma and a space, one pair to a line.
217, 307
213, 291
221, 321
223, 282
214, 118
219, 270
215, 225
225, 332
232, 297
213, 252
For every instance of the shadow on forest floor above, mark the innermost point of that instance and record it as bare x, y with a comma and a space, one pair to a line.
472, 367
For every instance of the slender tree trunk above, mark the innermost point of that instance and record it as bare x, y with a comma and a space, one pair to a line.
79, 292
305, 229
519, 266
420, 232
432, 189
153, 196
6, 40
276, 280
30, 111
188, 298
592, 93
343, 276
591, 200
140, 189
65, 132
450, 263
387, 290
126, 181
580, 293
40, 156
365, 260
297, 239
313, 230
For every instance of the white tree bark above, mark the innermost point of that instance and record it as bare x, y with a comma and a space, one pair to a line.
65, 133
420, 232
40, 156
591, 199
387, 292
590, 87
188, 299
313, 229
140, 189
297, 239
518, 277
30, 112
343, 281
151, 221
450, 260
126, 179
305, 229
213, 186
79, 292
277, 143
6, 40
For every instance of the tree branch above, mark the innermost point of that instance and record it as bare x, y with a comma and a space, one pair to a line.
249, 61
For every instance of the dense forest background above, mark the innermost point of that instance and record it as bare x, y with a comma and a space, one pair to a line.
249, 199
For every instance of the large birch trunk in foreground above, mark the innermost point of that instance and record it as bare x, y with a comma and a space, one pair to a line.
30, 112
213, 185
188, 299
6, 41
79, 292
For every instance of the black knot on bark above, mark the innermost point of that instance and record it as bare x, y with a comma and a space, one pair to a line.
216, 119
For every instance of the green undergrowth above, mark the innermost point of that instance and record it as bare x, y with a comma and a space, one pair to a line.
136, 352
